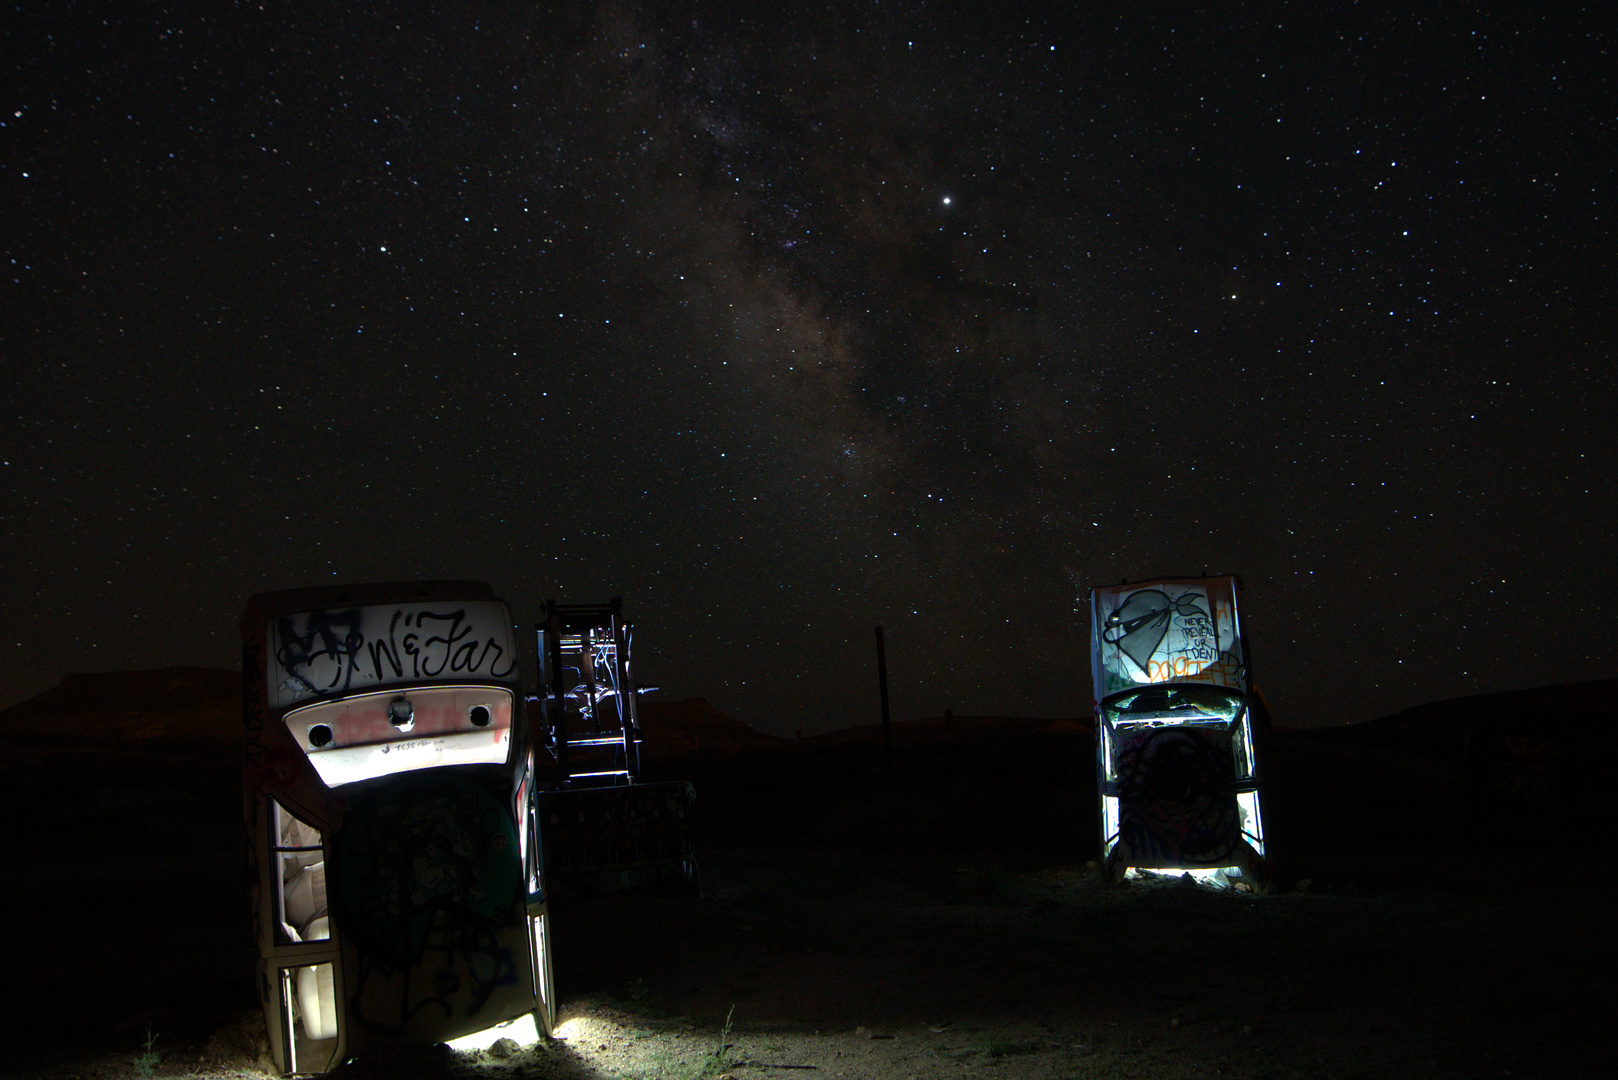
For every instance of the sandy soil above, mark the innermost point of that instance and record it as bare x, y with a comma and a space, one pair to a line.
947, 928
842, 963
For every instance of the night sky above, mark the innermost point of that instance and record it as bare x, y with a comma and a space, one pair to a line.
782, 323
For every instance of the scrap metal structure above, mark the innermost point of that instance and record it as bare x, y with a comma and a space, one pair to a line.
1176, 765
594, 728
607, 829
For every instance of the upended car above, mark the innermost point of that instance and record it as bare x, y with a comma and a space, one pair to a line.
1177, 767
389, 793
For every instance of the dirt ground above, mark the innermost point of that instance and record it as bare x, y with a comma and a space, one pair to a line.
872, 965
948, 927
843, 963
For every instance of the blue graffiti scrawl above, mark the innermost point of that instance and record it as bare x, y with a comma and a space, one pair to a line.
1177, 804
429, 876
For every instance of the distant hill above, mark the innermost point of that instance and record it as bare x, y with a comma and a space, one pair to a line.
179, 709
1598, 697
693, 726
186, 704
1414, 781
953, 729
1440, 728
132, 691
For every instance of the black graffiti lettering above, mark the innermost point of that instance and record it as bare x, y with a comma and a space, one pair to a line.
331, 636
1200, 640
388, 649
329, 652
440, 647
489, 647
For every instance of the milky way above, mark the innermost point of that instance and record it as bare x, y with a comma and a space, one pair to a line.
784, 324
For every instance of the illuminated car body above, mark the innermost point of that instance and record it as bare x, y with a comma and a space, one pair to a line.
398, 886
1176, 765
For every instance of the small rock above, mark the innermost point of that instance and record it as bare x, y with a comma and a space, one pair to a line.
861, 1031
1304, 886
503, 1048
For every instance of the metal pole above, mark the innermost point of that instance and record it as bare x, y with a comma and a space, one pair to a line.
887, 726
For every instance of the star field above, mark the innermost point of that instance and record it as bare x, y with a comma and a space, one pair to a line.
782, 324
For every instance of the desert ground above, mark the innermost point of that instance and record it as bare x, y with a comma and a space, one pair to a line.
950, 925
